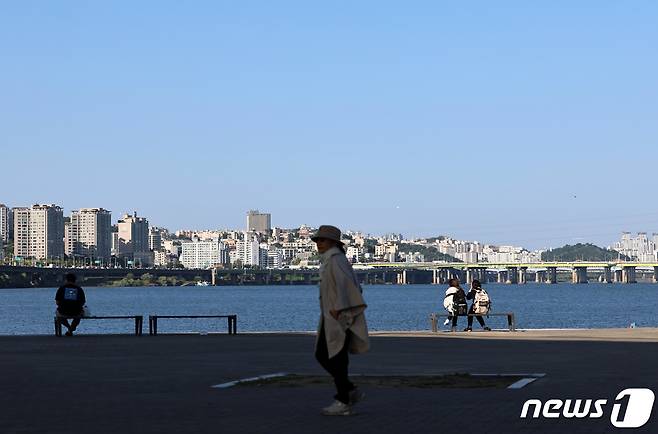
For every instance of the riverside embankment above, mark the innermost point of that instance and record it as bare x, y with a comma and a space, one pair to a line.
34, 277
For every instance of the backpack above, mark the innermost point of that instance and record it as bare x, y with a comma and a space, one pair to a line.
482, 303
459, 303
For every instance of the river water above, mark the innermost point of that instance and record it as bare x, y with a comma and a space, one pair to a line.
295, 308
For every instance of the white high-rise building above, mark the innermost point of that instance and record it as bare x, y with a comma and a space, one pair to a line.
21, 232
248, 251
5, 214
198, 254
46, 232
4, 228
639, 248
89, 233
39, 232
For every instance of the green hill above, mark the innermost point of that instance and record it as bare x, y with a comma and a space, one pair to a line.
582, 252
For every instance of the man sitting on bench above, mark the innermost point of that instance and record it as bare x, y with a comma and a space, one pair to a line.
70, 299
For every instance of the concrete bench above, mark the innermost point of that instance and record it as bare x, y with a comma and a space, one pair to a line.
231, 319
434, 319
139, 321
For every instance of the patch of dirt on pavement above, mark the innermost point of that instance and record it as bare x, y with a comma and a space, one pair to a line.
452, 381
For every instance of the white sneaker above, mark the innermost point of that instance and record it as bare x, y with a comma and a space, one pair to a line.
337, 409
446, 322
356, 395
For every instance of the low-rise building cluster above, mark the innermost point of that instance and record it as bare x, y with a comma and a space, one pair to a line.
88, 237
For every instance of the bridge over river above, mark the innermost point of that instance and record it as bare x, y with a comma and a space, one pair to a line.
371, 273
513, 273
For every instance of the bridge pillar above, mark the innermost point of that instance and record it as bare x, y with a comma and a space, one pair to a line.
435, 276
579, 275
461, 276
522, 276
551, 273
655, 274
617, 276
607, 274
402, 277
439, 276
482, 275
512, 276
470, 275
540, 276
443, 276
213, 277
501, 276
628, 275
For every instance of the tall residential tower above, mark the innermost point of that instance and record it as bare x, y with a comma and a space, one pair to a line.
39, 232
5, 214
88, 234
133, 237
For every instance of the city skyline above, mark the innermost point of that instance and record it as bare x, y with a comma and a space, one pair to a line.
264, 221
498, 122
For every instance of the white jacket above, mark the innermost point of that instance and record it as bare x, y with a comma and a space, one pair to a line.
340, 291
449, 299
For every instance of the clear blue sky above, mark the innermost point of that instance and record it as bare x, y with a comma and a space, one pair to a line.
533, 123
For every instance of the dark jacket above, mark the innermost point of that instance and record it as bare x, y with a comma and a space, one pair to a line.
70, 299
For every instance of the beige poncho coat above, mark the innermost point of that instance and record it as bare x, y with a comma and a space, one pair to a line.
340, 291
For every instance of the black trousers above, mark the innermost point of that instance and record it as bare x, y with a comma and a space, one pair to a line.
336, 366
65, 322
470, 318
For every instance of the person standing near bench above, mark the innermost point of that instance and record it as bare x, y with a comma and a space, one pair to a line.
342, 326
70, 299
476, 293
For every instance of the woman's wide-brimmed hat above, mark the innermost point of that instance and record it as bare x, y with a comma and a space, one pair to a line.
328, 232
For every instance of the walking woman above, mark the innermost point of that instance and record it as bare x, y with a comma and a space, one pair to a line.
342, 327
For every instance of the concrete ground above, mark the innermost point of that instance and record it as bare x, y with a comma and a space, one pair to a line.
127, 384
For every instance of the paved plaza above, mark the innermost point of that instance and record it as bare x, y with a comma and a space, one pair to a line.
127, 384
